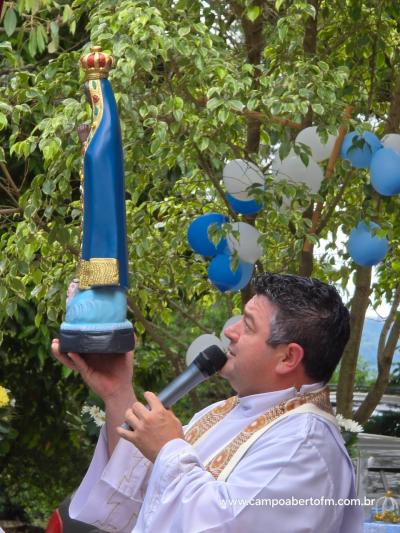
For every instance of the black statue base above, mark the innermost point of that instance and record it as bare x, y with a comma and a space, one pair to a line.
107, 342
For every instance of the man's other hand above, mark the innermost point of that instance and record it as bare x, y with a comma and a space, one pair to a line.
151, 428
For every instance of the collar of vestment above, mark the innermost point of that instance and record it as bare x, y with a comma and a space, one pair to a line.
279, 404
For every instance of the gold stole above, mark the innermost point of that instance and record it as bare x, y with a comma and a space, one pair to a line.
222, 464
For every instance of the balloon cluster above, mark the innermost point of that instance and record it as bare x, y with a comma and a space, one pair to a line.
294, 170
382, 158
241, 178
242, 239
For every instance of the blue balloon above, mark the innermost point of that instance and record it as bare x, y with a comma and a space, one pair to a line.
221, 275
385, 172
244, 207
247, 274
359, 157
365, 248
198, 234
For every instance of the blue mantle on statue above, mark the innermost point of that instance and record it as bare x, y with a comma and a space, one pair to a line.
104, 248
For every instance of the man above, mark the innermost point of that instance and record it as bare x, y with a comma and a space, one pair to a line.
261, 461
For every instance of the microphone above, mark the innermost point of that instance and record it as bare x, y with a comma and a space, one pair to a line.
207, 363
202, 367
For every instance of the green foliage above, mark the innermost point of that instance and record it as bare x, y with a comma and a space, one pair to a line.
395, 375
387, 423
7, 431
364, 377
384, 424
50, 436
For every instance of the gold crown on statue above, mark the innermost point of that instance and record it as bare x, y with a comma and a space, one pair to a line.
96, 64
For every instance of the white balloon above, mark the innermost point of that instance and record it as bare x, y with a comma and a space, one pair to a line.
240, 174
246, 245
200, 344
392, 140
295, 171
224, 339
319, 150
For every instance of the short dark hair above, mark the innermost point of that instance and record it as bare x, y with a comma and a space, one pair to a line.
310, 313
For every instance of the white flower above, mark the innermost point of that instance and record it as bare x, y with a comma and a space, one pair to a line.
99, 416
349, 425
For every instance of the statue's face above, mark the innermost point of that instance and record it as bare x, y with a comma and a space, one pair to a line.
87, 93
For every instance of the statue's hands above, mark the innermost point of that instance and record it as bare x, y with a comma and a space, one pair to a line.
83, 132
109, 376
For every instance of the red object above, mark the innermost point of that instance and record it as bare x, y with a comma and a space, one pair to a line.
55, 524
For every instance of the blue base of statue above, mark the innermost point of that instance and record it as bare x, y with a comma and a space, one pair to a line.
96, 322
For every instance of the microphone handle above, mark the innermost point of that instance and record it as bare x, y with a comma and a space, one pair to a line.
180, 386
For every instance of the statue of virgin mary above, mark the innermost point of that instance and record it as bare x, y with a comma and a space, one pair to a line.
96, 313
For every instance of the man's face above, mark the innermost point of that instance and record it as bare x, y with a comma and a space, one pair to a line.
251, 364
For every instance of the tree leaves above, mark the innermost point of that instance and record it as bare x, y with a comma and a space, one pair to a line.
253, 12
10, 21
3, 121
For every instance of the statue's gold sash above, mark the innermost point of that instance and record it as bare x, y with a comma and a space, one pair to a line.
97, 272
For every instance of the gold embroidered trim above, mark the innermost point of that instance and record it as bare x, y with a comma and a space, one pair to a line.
207, 421
98, 271
320, 398
96, 97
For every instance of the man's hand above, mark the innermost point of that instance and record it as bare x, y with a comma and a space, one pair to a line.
151, 428
108, 375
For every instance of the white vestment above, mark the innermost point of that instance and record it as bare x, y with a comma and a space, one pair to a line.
299, 458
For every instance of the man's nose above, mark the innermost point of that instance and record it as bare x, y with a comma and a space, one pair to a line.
232, 332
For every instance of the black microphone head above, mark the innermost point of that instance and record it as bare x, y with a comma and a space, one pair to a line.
210, 360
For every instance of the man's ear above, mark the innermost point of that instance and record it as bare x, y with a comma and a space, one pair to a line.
291, 358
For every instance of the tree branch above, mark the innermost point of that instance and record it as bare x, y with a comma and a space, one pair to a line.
359, 305
357, 318
308, 246
385, 354
214, 180
10, 211
9, 193
311, 30
153, 333
393, 118
185, 314
389, 321
8, 176
332, 206
372, 61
